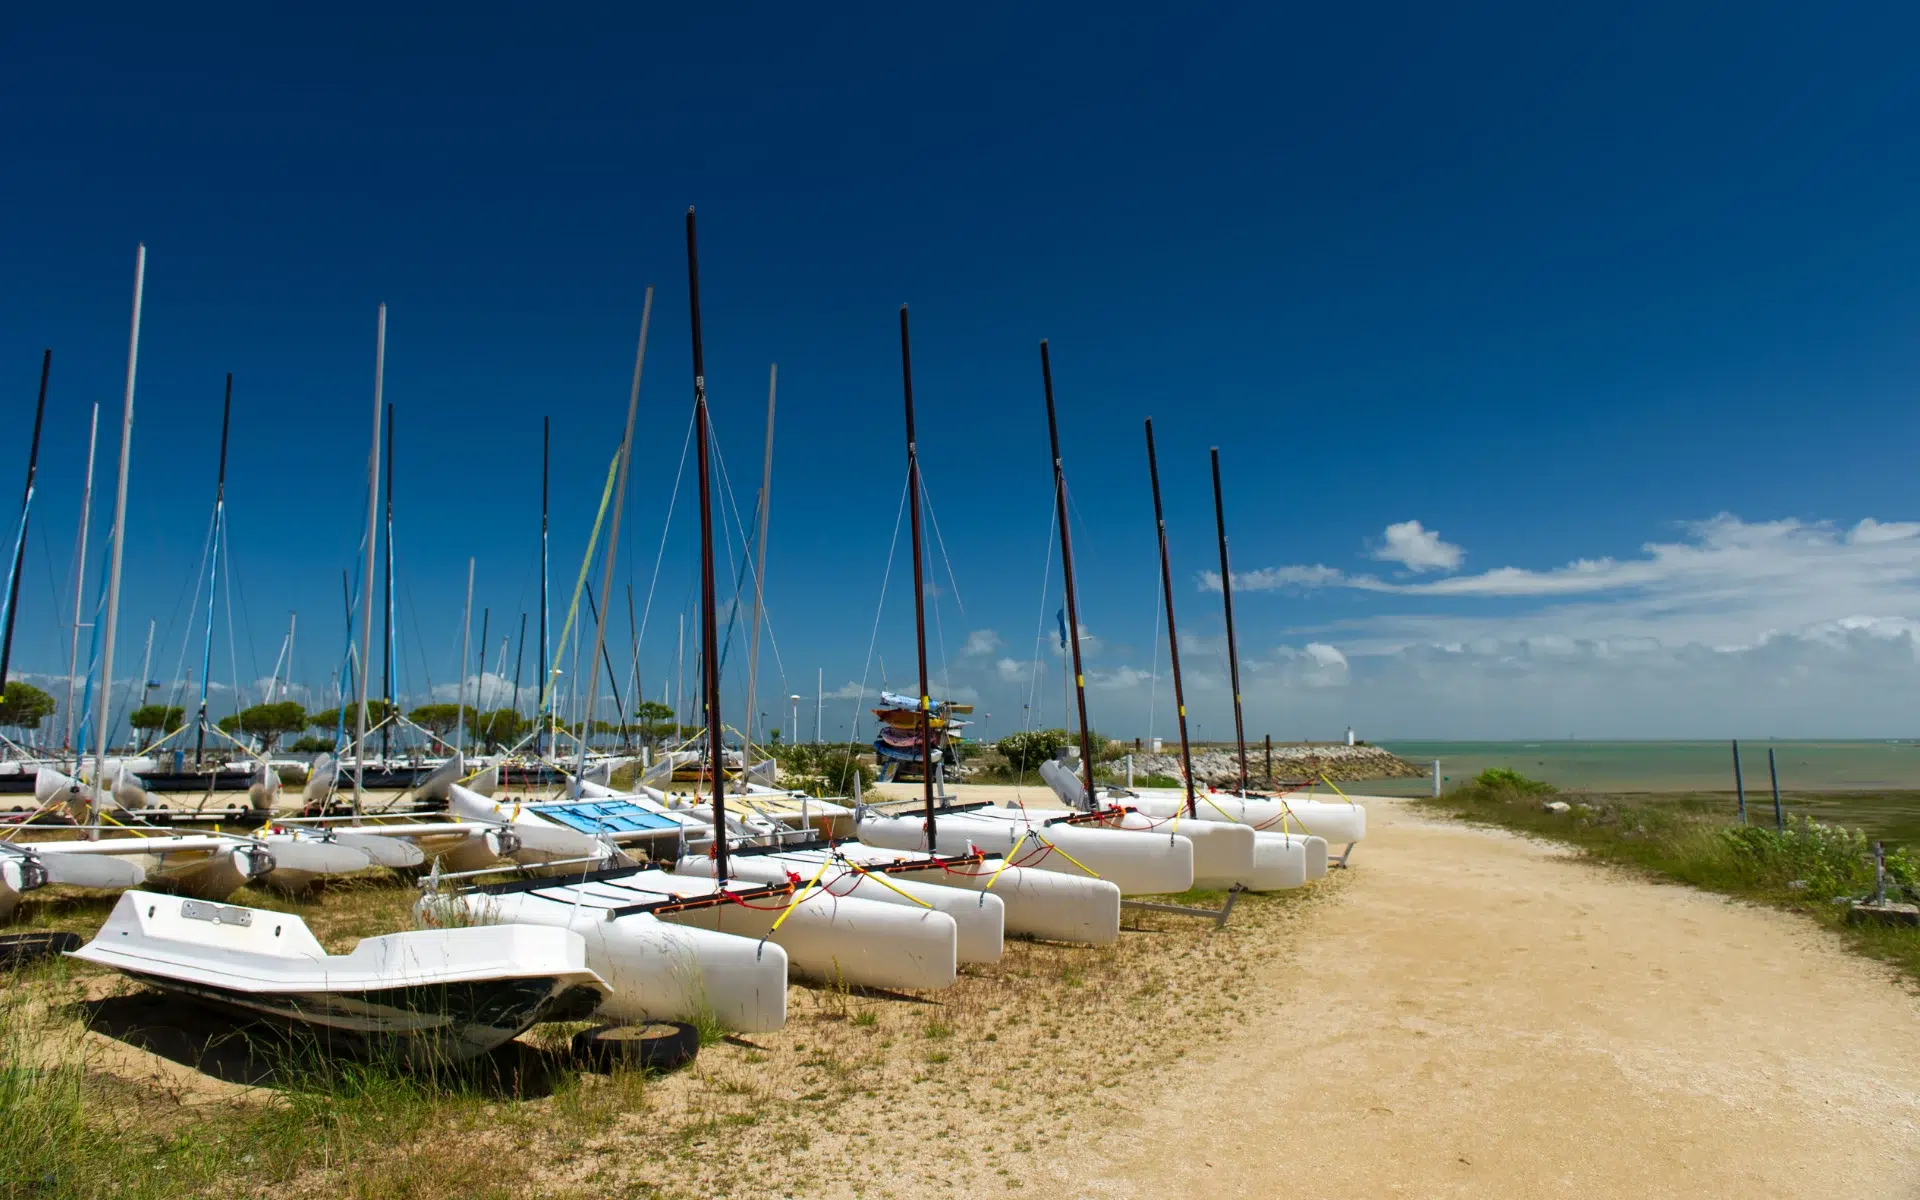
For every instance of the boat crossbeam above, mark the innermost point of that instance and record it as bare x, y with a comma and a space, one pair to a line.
1217, 915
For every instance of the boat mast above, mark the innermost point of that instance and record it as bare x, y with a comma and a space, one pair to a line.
919, 585
26, 508
519, 658
1226, 591
546, 679
460, 700
366, 570
709, 621
103, 707
760, 568
80, 582
1173, 638
386, 605
213, 577
613, 543
1066, 567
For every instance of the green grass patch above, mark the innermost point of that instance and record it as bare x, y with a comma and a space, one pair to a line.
1811, 866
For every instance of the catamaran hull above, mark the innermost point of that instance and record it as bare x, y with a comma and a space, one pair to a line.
1138, 866
1039, 904
979, 920
457, 992
859, 943
1339, 822
657, 971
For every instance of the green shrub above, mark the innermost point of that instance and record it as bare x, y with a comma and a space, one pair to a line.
822, 769
1025, 751
1828, 860
1512, 782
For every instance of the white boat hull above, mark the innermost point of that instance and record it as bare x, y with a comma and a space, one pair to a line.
1039, 904
979, 920
1138, 866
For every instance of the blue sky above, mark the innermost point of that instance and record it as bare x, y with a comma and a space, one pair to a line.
1624, 284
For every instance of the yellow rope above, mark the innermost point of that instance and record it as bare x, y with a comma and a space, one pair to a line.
1008, 860
1070, 858
1336, 787
801, 895
884, 881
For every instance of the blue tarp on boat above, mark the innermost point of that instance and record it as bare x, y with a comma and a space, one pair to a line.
611, 816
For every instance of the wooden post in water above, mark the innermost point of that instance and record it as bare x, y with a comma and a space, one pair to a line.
709, 624
1739, 785
1773, 774
1269, 740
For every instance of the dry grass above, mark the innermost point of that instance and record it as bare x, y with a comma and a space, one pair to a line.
976, 1079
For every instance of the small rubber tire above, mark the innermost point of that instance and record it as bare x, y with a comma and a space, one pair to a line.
653, 1045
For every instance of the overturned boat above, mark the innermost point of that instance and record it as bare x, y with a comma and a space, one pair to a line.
456, 993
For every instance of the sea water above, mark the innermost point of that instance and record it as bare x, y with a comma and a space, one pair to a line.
1670, 766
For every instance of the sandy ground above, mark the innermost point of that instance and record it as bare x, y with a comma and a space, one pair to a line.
1480, 1015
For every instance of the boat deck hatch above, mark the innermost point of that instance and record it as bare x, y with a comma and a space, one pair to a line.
604, 816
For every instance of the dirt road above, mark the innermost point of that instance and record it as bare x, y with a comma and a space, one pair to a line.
1480, 1015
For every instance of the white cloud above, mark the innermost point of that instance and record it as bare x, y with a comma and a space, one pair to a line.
850, 691
980, 643
1419, 549
1011, 670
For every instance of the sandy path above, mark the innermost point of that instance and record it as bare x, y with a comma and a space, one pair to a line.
1478, 1015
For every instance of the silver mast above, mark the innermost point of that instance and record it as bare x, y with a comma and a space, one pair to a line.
460, 701
103, 709
760, 568
366, 577
80, 582
613, 543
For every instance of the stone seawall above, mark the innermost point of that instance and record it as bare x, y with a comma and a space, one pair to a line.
1336, 761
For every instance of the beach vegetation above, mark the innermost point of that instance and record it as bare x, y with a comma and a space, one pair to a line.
24, 706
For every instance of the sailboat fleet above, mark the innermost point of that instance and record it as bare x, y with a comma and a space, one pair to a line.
631, 905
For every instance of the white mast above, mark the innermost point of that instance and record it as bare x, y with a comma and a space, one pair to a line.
613, 541
760, 568
103, 710
80, 582
366, 578
460, 702
146, 667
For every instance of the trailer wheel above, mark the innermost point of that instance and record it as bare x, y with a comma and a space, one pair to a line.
654, 1046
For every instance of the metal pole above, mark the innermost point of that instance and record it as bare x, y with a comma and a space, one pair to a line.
760, 565
1436, 779
919, 584
1773, 773
633, 637
386, 640
103, 707
519, 657
460, 702
546, 677
613, 544
1173, 637
213, 580
709, 621
819, 700
1226, 591
1739, 785
26, 508
366, 567
80, 583
1066, 570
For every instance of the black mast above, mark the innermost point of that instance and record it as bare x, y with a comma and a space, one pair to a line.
26, 504
1226, 590
1066, 566
519, 657
919, 587
606, 659
219, 501
386, 605
539, 704
1173, 639
709, 622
